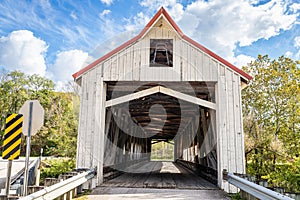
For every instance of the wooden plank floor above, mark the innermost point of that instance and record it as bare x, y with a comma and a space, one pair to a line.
156, 174
118, 193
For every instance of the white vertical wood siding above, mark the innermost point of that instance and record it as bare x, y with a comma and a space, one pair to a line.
132, 63
90, 137
189, 64
230, 132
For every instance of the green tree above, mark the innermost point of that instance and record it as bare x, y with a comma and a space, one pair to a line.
271, 108
58, 135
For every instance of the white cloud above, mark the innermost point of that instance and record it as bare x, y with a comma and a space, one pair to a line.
138, 21
223, 25
67, 63
295, 7
174, 8
297, 42
288, 54
297, 55
242, 60
73, 15
107, 2
105, 12
21, 50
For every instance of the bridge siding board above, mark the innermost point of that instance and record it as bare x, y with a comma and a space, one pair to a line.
87, 138
97, 120
222, 142
101, 102
232, 132
83, 121
90, 119
214, 68
229, 141
137, 61
241, 168
79, 160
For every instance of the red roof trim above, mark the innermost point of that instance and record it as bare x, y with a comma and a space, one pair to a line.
171, 21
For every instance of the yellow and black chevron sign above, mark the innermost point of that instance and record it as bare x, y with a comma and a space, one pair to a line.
12, 137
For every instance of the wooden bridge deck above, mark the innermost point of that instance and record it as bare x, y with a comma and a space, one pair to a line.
159, 175
117, 193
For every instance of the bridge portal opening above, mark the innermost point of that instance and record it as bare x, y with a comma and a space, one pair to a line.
162, 150
158, 132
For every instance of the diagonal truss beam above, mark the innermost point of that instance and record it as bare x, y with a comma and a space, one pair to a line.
133, 96
187, 98
163, 90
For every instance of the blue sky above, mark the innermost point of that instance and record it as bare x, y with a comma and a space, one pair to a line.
55, 38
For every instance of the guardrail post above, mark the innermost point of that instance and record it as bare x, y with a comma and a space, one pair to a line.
69, 195
225, 174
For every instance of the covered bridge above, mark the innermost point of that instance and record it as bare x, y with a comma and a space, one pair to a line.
161, 86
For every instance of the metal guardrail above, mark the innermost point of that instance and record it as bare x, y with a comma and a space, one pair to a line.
61, 188
34, 163
252, 188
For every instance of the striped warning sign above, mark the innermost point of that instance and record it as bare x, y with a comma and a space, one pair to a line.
12, 137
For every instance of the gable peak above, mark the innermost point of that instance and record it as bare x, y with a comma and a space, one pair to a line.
162, 13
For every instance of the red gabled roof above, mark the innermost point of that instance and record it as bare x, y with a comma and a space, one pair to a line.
162, 11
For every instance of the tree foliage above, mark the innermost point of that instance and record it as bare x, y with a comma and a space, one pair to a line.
52, 168
271, 108
58, 135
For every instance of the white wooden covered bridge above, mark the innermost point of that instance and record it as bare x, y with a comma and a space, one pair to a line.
161, 86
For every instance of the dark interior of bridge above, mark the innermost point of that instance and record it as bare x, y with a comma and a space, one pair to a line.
132, 127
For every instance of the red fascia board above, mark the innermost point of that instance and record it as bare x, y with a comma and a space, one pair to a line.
151, 22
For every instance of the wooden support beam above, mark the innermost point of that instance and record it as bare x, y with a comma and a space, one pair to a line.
133, 96
163, 90
205, 141
187, 98
101, 136
115, 142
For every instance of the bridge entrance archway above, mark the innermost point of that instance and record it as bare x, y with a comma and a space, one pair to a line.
139, 115
129, 98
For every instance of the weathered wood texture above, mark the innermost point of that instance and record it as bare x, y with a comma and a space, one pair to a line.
229, 125
133, 62
160, 175
90, 140
217, 142
118, 193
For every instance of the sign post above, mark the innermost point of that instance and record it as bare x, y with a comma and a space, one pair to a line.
8, 176
25, 181
33, 114
11, 144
